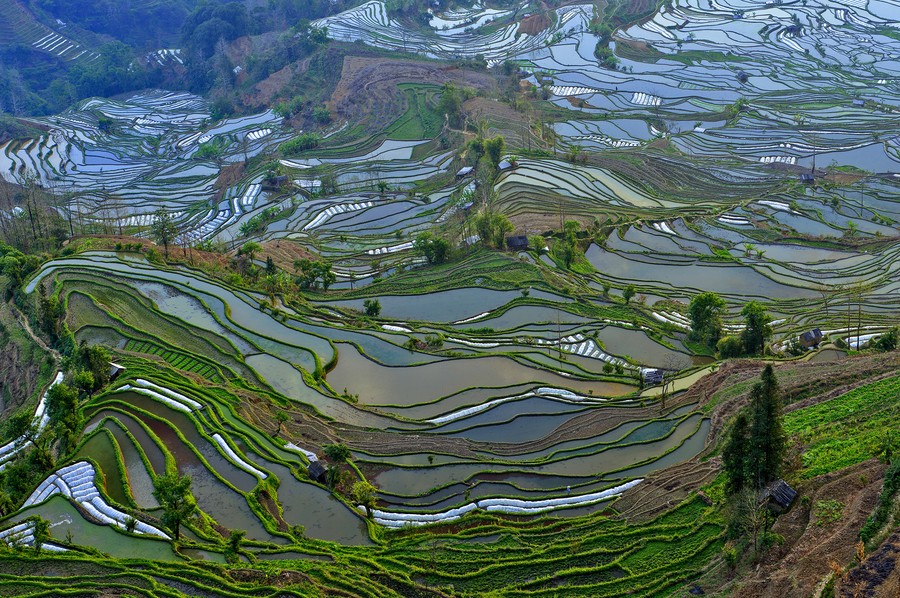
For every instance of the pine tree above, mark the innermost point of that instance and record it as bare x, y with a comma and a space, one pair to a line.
734, 453
756, 444
767, 443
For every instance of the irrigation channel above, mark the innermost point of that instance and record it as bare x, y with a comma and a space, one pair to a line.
500, 382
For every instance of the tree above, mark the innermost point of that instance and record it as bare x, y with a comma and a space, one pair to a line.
62, 400
494, 149
338, 452
41, 532
274, 284
96, 360
756, 444
766, 439
163, 230
628, 293
83, 381
450, 104
705, 311
174, 495
250, 249
567, 249
757, 330
492, 228
434, 249
364, 494
888, 341
372, 307
733, 454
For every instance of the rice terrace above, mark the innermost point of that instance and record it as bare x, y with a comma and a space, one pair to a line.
450, 298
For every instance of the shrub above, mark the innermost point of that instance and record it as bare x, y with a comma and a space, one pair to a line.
730, 346
300, 144
372, 307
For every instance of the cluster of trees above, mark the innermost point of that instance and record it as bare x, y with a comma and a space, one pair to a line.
435, 249
568, 248
493, 149
312, 273
258, 222
605, 55
451, 101
28, 221
16, 266
753, 454
705, 312
87, 370
492, 228
361, 492
132, 21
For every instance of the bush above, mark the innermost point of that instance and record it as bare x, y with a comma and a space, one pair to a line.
888, 340
730, 346
372, 307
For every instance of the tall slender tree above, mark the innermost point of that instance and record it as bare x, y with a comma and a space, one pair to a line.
163, 229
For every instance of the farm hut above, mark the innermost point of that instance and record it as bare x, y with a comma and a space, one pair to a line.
778, 496
653, 377
517, 243
317, 471
742, 76
807, 178
467, 206
275, 182
505, 165
115, 370
464, 171
811, 338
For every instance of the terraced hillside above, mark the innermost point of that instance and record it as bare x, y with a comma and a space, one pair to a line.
19, 26
437, 335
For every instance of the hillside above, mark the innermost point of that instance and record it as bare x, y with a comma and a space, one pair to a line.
500, 298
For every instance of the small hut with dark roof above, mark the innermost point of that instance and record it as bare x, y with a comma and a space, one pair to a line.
317, 471
778, 496
811, 338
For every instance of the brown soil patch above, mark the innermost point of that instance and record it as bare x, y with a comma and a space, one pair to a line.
368, 86
284, 253
534, 24
265, 499
665, 489
269, 88
229, 175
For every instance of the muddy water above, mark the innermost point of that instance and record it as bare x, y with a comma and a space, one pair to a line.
379, 385
213, 497
693, 275
139, 479
412, 481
